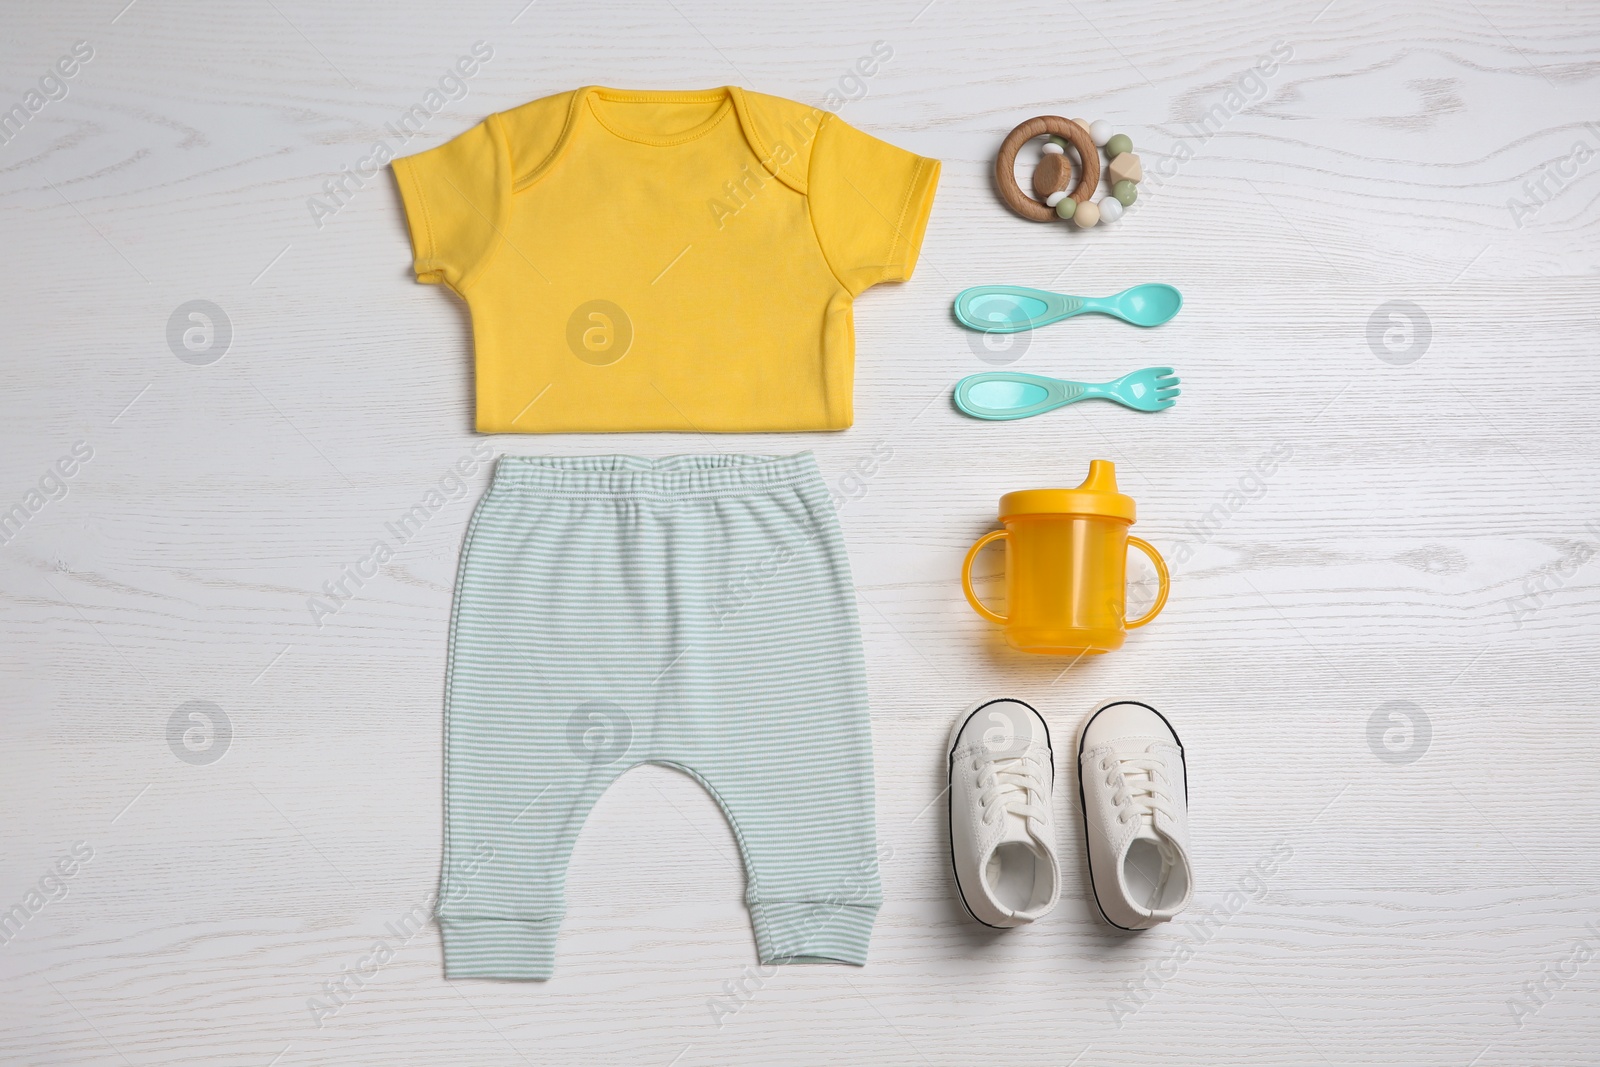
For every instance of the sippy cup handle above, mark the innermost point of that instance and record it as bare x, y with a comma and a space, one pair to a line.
966, 577
1161, 572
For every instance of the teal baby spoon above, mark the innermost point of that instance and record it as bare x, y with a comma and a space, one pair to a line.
1001, 395
1013, 308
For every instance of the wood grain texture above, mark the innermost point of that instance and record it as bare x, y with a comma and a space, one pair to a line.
1425, 537
1005, 165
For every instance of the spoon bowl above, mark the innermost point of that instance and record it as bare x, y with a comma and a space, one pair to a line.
1150, 304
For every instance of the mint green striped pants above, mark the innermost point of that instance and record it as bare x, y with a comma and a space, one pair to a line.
696, 612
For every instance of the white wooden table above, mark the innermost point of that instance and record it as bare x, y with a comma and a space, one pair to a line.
1380, 655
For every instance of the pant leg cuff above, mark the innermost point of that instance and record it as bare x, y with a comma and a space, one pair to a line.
499, 948
812, 932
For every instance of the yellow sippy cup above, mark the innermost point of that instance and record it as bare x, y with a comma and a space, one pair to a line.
1066, 565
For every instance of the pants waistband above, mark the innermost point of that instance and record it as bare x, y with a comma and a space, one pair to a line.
669, 476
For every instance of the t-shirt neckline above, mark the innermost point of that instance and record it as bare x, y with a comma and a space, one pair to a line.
723, 97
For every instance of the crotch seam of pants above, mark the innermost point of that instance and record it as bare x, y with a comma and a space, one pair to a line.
727, 813
565, 855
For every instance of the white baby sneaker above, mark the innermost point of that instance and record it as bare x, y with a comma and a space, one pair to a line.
1134, 789
1002, 826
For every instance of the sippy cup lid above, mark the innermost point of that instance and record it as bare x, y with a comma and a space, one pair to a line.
1096, 496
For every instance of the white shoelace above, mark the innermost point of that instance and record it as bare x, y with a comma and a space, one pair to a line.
1014, 784
1143, 790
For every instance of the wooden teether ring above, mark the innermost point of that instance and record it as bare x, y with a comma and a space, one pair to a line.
1005, 163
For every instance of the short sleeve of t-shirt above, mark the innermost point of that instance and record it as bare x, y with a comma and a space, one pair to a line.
869, 203
456, 197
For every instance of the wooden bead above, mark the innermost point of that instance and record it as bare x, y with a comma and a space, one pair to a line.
1125, 168
1086, 215
1051, 175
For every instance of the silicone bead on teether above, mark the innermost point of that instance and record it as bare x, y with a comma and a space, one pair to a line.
1125, 191
1053, 147
1110, 210
1065, 208
1059, 142
1125, 167
1085, 123
1055, 198
1117, 145
1100, 132
1087, 214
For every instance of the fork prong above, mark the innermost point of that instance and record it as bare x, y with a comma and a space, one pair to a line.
1163, 394
1162, 405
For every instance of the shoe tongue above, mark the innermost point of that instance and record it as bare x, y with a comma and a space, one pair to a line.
1016, 828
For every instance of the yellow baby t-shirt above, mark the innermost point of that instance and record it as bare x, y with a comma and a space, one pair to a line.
664, 260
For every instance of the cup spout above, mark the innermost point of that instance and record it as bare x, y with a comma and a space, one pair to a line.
1102, 477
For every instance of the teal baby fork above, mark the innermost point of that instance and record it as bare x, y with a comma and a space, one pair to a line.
1013, 308
1001, 395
